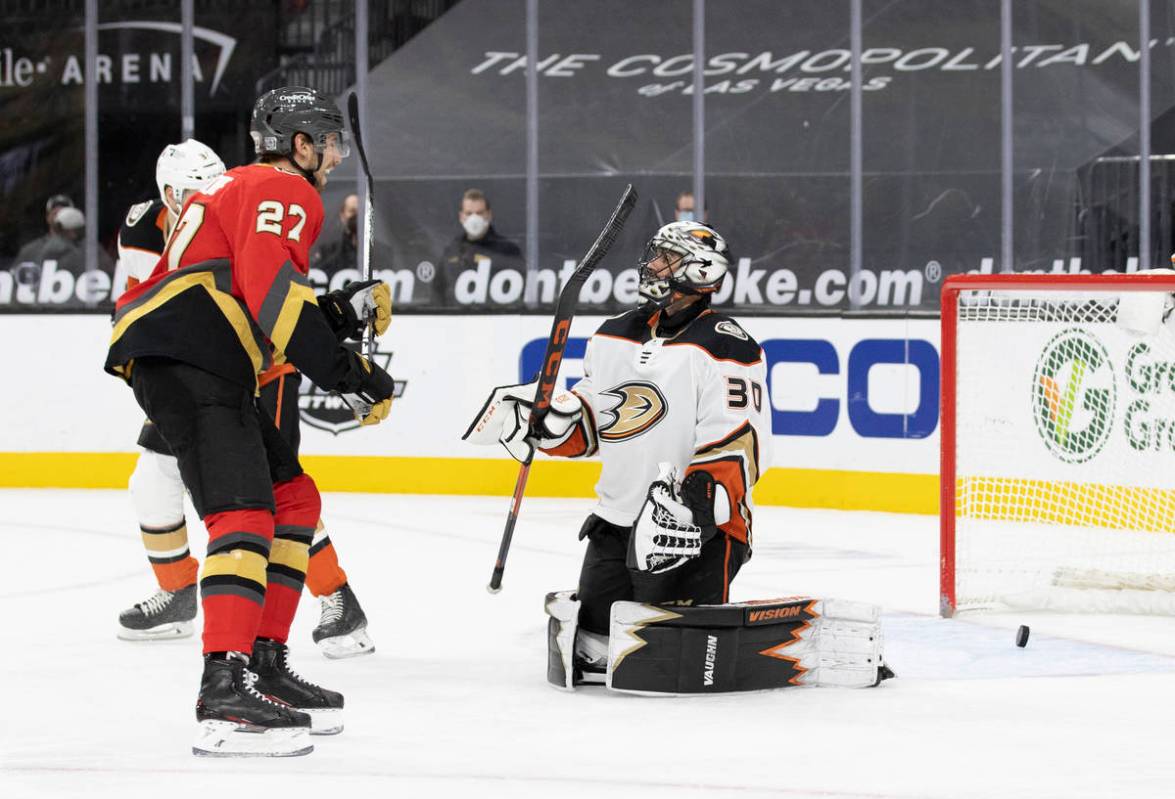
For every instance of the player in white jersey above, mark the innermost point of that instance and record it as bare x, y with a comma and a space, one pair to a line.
157, 489
673, 400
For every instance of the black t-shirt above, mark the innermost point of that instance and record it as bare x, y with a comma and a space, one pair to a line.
461, 254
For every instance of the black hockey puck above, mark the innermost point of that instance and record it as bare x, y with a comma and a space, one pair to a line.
1022, 636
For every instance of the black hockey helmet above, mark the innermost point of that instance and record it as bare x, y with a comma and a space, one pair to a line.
281, 113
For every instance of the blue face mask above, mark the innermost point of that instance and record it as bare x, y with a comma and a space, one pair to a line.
685, 216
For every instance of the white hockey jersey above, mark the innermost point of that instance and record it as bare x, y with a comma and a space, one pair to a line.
695, 399
141, 241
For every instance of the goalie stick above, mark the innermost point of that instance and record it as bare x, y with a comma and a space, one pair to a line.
556, 344
368, 343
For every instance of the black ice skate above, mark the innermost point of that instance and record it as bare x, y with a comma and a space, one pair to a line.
237, 721
165, 615
279, 682
342, 627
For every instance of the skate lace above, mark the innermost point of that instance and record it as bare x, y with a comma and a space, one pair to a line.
285, 665
250, 678
156, 603
332, 608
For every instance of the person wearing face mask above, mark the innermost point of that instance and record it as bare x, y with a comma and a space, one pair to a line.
342, 253
684, 209
30, 252
478, 241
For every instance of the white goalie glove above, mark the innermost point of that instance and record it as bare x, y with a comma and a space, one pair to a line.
505, 419
664, 535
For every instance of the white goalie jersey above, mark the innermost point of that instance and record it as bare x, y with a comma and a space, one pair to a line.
695, 400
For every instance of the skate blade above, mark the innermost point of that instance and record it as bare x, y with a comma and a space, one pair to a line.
324, 721
164, 632
347, 646
228, 739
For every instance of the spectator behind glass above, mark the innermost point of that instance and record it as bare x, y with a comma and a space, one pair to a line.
30, 252
342, 252
683, 209
478, 241
63, 246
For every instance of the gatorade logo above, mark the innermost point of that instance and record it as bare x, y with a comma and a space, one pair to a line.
1073, 396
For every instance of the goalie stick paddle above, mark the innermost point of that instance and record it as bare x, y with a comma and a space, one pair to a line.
368, 344
556, 344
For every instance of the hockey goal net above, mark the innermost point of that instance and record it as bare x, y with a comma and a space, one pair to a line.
1058, 443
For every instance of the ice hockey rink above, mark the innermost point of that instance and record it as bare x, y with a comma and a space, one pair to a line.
454, 701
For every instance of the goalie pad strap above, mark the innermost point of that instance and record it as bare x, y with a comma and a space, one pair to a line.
743, 647
563, 609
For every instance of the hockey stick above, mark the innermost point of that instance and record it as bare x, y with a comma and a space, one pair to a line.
368, 344
556, 344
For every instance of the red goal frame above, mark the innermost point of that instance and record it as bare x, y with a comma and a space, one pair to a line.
951, 288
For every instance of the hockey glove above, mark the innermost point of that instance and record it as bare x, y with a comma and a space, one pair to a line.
665, 535
372, 400
698, 493
505, 418
349, 309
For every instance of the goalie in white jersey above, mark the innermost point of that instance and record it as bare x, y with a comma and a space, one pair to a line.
672, 399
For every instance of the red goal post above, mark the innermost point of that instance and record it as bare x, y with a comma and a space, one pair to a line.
1049, 498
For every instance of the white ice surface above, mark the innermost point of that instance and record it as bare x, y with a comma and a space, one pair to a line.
454, 701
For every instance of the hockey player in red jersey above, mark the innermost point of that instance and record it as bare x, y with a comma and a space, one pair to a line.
229, 297
156, 486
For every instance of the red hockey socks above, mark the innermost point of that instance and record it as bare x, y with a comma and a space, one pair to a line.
298, 507
232, 587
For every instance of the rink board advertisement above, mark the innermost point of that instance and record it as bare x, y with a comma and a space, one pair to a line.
1087, 403
854, 410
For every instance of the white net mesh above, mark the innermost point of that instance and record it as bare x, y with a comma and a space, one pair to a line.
1065, 452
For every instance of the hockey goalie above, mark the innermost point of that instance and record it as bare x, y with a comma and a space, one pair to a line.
672, 400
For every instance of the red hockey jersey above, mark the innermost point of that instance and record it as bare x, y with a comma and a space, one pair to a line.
232, 283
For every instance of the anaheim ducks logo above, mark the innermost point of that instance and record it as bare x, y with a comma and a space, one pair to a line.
639, 407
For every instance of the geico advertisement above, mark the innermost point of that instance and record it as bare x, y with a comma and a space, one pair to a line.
844, 394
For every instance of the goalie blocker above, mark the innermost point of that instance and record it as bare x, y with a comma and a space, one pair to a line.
748, 646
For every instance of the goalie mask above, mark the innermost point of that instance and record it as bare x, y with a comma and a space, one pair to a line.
686, 257
186, 167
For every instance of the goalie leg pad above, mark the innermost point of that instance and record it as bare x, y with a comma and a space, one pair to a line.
574, 656
563, 608
744, 647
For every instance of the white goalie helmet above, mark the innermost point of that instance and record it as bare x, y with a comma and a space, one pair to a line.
697, 256
188, 166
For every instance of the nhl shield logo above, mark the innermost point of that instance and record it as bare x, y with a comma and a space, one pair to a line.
327, 411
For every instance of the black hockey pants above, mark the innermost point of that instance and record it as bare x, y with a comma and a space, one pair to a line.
604, 577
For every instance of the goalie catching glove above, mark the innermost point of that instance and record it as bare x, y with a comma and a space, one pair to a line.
505, 419
669, 532
349, 309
